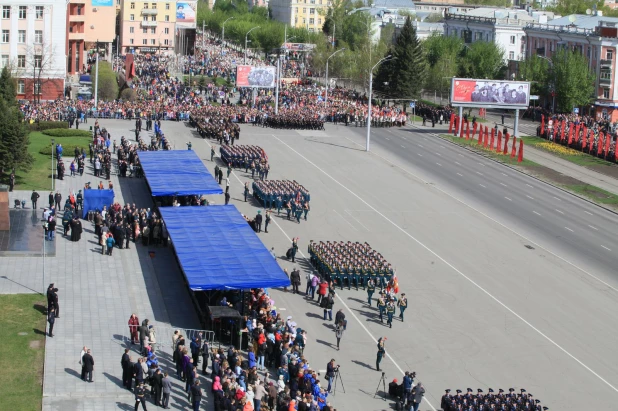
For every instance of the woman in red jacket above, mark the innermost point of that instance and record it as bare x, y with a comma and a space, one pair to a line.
322, 290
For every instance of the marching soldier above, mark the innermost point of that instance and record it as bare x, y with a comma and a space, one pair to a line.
371, 287
381, 306
403, 304
390, 311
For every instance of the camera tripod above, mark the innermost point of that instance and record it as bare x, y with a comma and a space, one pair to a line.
383, 381
337, 377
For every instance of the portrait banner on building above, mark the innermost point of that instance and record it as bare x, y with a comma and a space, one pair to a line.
185, 14
251, 76
490, 93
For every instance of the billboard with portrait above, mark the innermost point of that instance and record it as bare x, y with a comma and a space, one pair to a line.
490, 93
185, 14
251, 76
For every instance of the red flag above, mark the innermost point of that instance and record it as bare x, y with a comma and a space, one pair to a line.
600, 143
585, 133
450, 124
476, 125
499, 145
491, 144
561, 131
513, 149
506, 143
463, 129
608, 140
542, 124
467, 130
590, 140
520, 156
577, 128
480, 135
570, 134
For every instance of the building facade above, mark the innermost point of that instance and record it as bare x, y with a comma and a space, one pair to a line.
147, 27
309, 14
594, 36
33, 47
88, 22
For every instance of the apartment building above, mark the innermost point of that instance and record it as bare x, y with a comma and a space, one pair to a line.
147, 27
309, 14
33, 47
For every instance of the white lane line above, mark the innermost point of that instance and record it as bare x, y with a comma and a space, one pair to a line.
559, 211
461, 273
556, 198
424, 139
504, 174
482, 164
402, 146
588, 212
439, 154
439, 164
569, 229
420, 146
405, 138
605, 247
508, 198
536, 213
351, 225
502, 184
461, 175
442, 146
531, 198
479, 173
356, 219
420, 154
461, 155
457, 163
529, 185
594, 228
482, 185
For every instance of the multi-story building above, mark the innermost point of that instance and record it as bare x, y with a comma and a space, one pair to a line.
88, 22
309, 14
504, 27
147, 27
33, 47
595, 37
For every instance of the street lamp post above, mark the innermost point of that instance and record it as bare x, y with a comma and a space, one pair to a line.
387, 58
53, 144
247, 40
223, 31
553, 104
326, 94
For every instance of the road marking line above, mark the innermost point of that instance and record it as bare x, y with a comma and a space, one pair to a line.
569, 229
556, 198
420, 154
443, 260
442, 146
482, 164
482, 185
439, 164
457, 163
508, 198
559, 211
479, 173
504, 174
424, 139
529, 197
387, 138
605, 247
402, 146
588, 212
421, 146
460, 174
594, 228
439, 154
351, 225
529, 185
536, 213
461, 155
502, 184
357, 220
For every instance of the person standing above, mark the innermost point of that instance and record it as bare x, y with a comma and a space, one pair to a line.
54, 297
246, 191
339, 332
196, 395
227, 197
371, 288
11, 181
212, 154
157, 386
127, 370
381, 352
381, 307
327, 305
133, 326
205, 354
418, 392
403, 304
110, 244
267, 221
51, 319
87, 366
140, 396
51, 199
294, 248
390, 312
51, 228
295, 280
167, 389
58, 200
34, 198
260, 392
258, 221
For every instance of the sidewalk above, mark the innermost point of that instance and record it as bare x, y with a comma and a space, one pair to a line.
97, 294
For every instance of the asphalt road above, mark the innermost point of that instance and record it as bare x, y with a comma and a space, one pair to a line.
485, 310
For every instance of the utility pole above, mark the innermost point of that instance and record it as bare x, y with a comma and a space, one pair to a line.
247, 40
387, 58
326, 95
96, 85
278, 79
223, 31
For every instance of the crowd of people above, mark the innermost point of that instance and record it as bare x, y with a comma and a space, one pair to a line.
490, 401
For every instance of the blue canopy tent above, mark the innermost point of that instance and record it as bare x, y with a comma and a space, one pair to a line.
96, 199
177, 172
217, 249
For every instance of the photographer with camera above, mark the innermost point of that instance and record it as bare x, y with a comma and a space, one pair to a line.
331, 370
381, 352
408, 381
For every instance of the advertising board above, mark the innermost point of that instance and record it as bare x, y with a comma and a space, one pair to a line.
490, 93
251, 76
185, 14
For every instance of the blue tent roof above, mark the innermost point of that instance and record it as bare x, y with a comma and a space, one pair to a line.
218, 250
178, 172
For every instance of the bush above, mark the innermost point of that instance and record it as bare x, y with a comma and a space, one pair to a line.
48, 125
68, 151
67, 133
128, 94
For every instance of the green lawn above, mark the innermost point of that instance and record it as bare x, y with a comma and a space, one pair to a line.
22, 352
39, 177
582, 160
488, 153
594, 193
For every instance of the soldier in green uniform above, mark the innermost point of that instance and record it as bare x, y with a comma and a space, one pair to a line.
371, 287
390, 311
403, 304
381, 278
279, 203
381, 306
381, 352
246, 190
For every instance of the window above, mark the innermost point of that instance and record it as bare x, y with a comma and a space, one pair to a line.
21, 87
610, 54
22, 12
167, 6
512, 39
167, 18
39, 12
304, 21
6, 12
38, 36
38, 61
4, 60
154, 6
606, 93
145, 6
131, 30
304, 9
21, 36
21, 61
167, 30
144, 18
478, 36
320, 21
131, 41
311, 10
153, 41
311, 21
153, 30
132, 6
166, 42
5, 36
37, 87
606, 75
511, 55
153, 18
145, 30
132, 17
144, 42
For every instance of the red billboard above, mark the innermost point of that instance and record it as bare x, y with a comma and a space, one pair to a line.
251, 76
481, 93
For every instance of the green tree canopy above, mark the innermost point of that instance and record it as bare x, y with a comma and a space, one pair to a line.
108, 83
7, 87
574, 79
536, 70
483, 60
13, 139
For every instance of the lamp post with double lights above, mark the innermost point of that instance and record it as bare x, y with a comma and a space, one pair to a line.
247, 41
387, 58
223, 31
329, 57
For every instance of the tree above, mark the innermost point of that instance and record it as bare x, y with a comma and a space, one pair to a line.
566, 7
406, 73
495, 3
39, 63
108, 84
536, 70
7, 87
13, 139
434, 18
574, 79
483, 60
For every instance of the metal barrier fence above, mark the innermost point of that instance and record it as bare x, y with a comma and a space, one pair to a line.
165, 335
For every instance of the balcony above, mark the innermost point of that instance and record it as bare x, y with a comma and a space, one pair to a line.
606, 63
605, 81
149, 12
149, 23
77, 18
77, 36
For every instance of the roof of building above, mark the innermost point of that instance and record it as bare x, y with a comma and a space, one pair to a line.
391, 4
498, 13
582, 21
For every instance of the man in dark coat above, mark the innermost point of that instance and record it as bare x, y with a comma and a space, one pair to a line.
58, 200
34, 197
119, 236
87, 366
51, 199
157, 386
76, 229
127, 369
258, 221
167, 389
295, 280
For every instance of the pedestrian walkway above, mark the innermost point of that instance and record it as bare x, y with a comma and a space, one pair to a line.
97, 294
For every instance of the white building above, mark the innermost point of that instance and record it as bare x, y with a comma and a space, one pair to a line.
33, 46
502, 26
